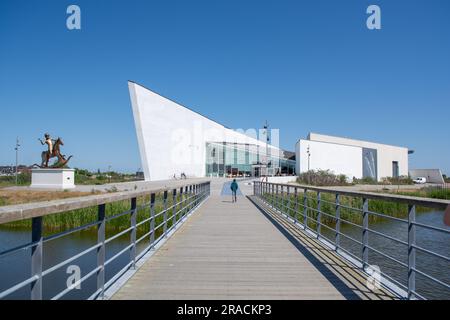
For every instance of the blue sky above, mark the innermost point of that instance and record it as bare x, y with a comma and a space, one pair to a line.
304, 65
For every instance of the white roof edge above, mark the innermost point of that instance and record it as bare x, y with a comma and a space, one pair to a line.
181, 105
346, 138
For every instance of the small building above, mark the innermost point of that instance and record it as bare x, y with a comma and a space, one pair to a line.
432, 175
353, 158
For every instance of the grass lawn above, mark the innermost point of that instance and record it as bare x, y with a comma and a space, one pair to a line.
10, 197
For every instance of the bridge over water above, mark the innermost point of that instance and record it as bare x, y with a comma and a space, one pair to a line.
188, 240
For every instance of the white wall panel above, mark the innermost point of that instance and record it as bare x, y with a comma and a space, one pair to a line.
386, 153
172, 138
340, 159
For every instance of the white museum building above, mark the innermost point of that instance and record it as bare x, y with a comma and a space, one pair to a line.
175, 140
354, 158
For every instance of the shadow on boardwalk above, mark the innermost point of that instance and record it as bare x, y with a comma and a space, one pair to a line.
349, 280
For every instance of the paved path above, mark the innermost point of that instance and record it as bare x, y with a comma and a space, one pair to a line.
234, 251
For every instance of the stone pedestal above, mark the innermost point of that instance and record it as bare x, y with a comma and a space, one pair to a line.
53, 178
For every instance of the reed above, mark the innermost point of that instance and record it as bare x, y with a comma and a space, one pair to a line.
350, 210
67, 220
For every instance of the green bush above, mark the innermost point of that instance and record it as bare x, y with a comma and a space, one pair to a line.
366, 180
322, 178
398, 180
23, 179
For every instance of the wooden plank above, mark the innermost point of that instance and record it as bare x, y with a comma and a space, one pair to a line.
232, 251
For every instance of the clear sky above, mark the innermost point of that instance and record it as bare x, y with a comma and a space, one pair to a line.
305, 65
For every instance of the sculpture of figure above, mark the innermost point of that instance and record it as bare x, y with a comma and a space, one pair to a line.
53, 151
49, 142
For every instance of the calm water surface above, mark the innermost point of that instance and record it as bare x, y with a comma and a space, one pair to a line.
16, 267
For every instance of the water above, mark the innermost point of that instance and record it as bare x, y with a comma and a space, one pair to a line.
435, 241
16, 267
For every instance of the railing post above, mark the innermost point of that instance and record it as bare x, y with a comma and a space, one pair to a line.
180, 210
133, 233
196, 192
201, 191
262, 190
281, 201
277, 199
254, 188
319, 214
152, 219
190, 198
265, 192
174, 207
411, 251
165, 214
186, 203
305, 208
337, 237
272, 195
270, 191
195, 195
36, 258
101, 249
296, 204
288, 201
365, 233
274, 199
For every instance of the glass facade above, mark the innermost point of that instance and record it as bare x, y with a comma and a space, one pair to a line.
246, 160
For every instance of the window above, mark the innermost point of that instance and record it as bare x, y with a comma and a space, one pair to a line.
395, 170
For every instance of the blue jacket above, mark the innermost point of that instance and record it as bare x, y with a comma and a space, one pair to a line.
234, 186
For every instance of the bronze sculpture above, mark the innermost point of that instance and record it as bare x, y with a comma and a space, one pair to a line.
53, 150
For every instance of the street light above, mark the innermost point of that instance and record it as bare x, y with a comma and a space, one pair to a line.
17, 156
266, 128
309, 155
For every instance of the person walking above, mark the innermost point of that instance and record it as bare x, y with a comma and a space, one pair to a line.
234, 187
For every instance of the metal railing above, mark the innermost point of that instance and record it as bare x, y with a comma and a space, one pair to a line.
319, 211
174, 203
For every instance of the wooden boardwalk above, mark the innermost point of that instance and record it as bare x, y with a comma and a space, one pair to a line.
236, 251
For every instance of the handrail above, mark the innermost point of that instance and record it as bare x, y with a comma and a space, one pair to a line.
38, 209
418, 201
185, 198
291, 204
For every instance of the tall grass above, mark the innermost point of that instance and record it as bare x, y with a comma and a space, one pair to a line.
23, 179
350, 209
428, 192
75, 218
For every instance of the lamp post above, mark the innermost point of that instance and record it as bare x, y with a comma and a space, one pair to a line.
266, 128
17, 157
309, 155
